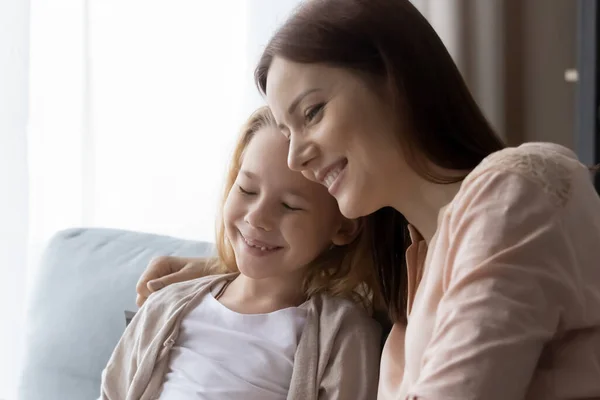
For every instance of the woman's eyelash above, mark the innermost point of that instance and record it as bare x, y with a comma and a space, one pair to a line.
312, 112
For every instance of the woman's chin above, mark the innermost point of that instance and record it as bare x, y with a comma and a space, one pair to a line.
350, 207
354, 204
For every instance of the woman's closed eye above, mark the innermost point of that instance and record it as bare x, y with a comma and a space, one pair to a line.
313, 112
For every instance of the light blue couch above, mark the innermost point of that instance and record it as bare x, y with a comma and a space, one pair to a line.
86, 281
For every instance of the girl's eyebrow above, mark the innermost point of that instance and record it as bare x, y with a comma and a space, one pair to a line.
249, 174
297, 195
288, 191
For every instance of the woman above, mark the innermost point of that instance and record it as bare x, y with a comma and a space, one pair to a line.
487, 257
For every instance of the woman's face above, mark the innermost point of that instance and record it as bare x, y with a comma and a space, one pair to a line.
342, 133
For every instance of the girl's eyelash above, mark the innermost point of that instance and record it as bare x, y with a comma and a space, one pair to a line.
244, 191
287, 207
249, 193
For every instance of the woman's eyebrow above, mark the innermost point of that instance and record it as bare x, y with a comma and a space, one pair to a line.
299, 98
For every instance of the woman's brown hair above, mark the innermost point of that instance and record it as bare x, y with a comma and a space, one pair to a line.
392, 42
341, 271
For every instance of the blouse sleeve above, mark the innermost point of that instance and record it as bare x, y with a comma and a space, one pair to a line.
501, 284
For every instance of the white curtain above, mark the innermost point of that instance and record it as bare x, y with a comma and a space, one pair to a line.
132, 108
14, 24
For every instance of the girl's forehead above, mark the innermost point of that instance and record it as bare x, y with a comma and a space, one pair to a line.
265, 160
268, 147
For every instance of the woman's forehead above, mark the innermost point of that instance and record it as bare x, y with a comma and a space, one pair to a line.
286, 78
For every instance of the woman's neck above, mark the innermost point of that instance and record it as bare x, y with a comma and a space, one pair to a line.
246, 295
422, 207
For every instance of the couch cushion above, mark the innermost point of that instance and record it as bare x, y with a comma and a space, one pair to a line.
76, 315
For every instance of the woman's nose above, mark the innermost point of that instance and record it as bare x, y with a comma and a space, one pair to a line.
301, 152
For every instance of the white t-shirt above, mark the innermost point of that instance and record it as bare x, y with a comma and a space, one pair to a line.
221, 354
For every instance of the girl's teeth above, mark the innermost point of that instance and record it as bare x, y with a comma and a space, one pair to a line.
262, 248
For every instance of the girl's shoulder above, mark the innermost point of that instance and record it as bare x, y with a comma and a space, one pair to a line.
177, 292
338, 313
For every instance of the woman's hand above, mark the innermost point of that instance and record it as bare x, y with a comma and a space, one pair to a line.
164, 271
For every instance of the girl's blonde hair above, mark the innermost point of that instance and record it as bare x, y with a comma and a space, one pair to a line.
342, 271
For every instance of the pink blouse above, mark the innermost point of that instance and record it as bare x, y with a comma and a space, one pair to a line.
505, 302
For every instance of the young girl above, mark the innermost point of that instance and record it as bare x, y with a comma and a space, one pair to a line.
284, 315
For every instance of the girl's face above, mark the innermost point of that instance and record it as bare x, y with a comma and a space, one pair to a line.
342, 133
276, 220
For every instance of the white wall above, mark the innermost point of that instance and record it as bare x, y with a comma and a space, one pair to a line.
135, 111
166, 106
263, 18
14, 24
165, 98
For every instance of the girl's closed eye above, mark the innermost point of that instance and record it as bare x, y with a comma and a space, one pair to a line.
244, 191
290, 208
312, 113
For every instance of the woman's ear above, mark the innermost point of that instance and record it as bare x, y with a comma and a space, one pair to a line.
347, 232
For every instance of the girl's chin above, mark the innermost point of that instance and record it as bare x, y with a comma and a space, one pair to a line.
255, 270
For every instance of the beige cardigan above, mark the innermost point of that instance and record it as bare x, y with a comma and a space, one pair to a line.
337, 356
